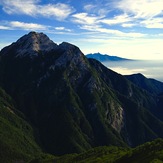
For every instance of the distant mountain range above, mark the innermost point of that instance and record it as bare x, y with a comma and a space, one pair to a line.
104, 57
55, 100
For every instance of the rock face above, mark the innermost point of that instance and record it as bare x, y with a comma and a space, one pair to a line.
75, 103
31, 44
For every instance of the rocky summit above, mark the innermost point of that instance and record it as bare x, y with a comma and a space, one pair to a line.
73, 103
31, 44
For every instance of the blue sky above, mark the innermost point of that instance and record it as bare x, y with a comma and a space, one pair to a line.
126, 28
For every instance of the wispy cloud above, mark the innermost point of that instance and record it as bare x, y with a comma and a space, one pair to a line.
27, 26
100, 29
19, 6
62, 29
4, 27
89, 7
85, 18
97, 8
94, 23
140, 8
59, 11
123, 20
143, 13
153, 23
146, 13
129, 25
118, 19
17, 25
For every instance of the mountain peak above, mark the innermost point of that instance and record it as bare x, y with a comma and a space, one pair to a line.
33, 43
70, 54
67, 46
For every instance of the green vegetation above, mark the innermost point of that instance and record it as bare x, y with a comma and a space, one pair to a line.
17, 140
146, 153
150, 152
99, 154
